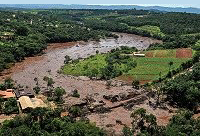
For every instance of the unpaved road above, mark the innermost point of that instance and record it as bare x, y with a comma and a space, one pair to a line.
49, 63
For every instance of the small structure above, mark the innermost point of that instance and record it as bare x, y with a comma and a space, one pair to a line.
138, 54
24, 92
27, 103
9, 93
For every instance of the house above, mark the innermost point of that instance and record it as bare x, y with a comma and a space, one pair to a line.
9, 93
26, 103
24, 92
138, 54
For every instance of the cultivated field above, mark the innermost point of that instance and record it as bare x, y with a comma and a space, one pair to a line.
149, 68
156, 64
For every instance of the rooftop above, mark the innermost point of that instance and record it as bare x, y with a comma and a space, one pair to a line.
7, 94
24, 92
27, 102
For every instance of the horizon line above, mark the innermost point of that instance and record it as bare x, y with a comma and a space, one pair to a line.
145, 5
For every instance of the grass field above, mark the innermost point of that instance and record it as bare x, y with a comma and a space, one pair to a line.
155, 63
148, 68
82, 67
153, 30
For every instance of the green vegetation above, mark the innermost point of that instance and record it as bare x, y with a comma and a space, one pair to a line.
88, 67
76, 94
153, 30
154, 66
104, 66
197, 46
47, 122
8, 84
181, 124
8, 106
150, 68
23, 34
183, 90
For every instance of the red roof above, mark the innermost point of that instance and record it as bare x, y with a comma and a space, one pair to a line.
7, 94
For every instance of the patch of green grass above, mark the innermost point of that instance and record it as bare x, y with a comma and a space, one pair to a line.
150, 68
84, 66
153, 30
164, 54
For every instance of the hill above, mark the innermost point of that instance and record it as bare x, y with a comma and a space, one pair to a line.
110, 7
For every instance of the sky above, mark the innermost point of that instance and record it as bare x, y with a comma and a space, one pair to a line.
171, 3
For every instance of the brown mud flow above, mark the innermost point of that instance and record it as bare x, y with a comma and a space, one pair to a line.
50, 63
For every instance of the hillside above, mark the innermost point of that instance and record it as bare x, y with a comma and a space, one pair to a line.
109, 7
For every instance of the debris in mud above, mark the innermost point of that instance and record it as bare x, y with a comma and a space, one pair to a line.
121, 96
136, 101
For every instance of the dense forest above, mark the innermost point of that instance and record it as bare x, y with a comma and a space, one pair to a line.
42, 121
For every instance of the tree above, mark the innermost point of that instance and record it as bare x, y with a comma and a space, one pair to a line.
49, 81
170, 65
67, 59
37, 89
76, 94
8, 83
22, 31
144, 123
10, 106
75, 111
135, 84
58, 93
1, 104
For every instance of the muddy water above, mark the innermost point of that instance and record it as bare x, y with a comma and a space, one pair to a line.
49, 63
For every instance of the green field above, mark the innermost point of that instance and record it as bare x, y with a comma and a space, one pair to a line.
153, 30
83, 67
148, 68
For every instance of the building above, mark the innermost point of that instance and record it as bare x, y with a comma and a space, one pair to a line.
24, 92
138, 54
9, 93
26, 103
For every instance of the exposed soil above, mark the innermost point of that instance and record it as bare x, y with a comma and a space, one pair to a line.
149, 54
49, 63
5, 117
184, 53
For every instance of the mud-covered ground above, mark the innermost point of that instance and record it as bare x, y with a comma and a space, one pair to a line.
49, 63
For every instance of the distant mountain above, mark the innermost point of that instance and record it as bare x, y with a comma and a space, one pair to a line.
110, 7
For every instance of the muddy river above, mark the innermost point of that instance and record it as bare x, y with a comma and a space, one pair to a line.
49, 63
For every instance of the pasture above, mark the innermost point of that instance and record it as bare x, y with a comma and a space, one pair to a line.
154, 65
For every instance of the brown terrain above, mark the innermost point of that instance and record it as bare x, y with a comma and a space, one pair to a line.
184, 53
107, 106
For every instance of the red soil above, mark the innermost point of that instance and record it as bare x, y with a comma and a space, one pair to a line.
149, 54
184, 53
163, 120
59, 45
